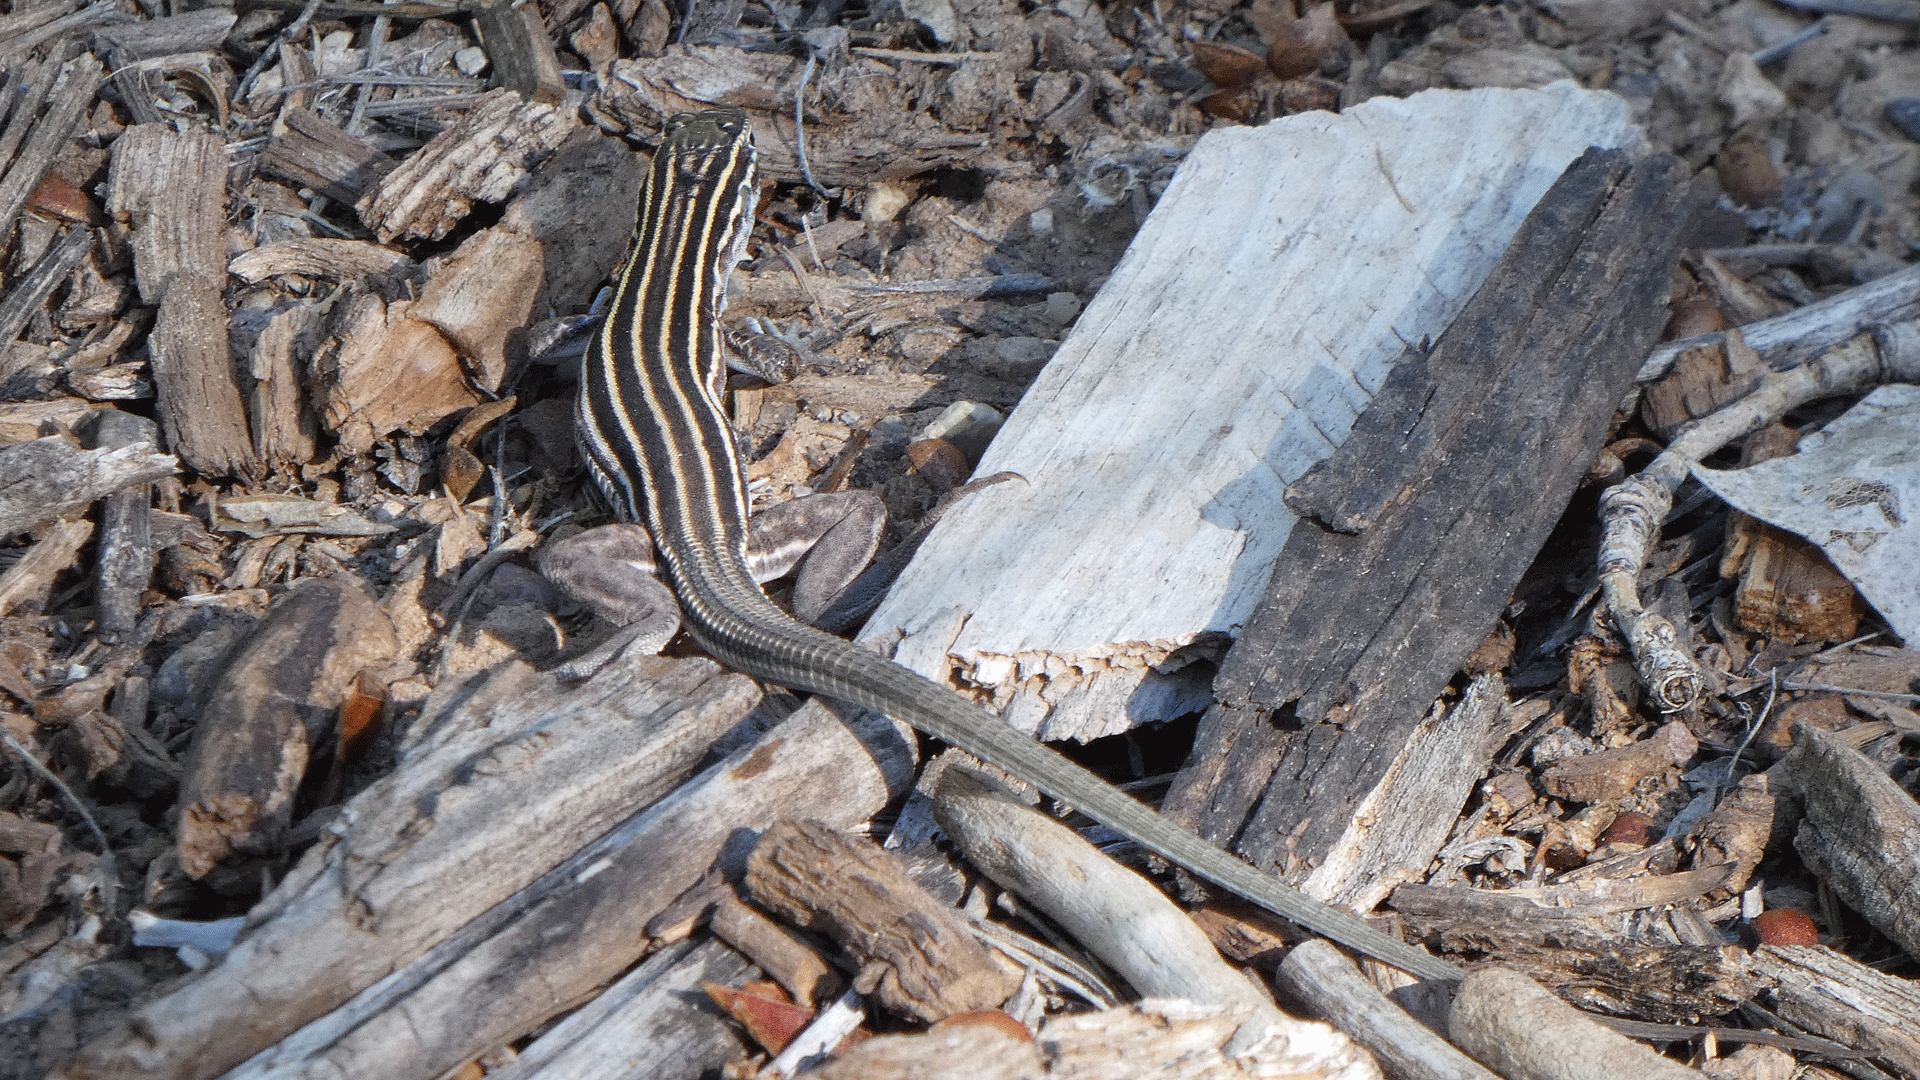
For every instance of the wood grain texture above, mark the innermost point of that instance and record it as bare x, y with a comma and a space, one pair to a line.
510, 775
170, 189
1428, 516
1257, 311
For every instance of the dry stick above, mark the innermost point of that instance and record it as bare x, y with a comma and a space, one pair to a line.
1631, 512
376, 43
1333, 989
109, 874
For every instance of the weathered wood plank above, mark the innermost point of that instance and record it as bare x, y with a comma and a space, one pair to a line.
1452, 481
1259, 308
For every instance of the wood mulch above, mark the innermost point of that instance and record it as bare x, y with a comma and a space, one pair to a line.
288, 297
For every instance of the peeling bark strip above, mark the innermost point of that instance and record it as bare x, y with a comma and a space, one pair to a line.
1452, 480
46, 478
170, 189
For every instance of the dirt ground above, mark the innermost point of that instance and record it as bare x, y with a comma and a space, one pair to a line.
1007, 150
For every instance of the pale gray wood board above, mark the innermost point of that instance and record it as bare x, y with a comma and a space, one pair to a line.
1257, 311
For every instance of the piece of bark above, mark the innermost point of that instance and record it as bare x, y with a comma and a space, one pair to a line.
580, 205
1787, 589
189, 31
484, 158
1593, 963
273, 704
123, 565
1113, 912
285, 428
24, 421
51, 477
198, 400
29, 581
42, 135
1837, 997
1452, 480
509, 776
1522, 1032
317, 257
917, 955
1407, 818
1152, 508
521, 52
1860, 831
313, 153
390, 373
654, 1022
169, 188
1607, 776
1323, 979
27, 292
482, 293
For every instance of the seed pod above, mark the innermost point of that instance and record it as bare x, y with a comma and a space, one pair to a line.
1229, 67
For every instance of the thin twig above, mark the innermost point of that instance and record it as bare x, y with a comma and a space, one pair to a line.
109, 874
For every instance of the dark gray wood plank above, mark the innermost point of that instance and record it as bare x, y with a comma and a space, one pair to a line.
1417, 529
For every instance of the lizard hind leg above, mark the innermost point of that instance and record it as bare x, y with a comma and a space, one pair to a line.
612, 570
825, 541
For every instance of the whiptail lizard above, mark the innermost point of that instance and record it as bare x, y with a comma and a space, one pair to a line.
660, 446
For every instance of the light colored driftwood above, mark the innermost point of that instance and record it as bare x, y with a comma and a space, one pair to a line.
1523, 1032
511, 773
1804, 333
316, 257
170, 189
123, 566
275, 700
1156, 1037
483, 158
41, 137
1113, 912
918, 956
1157, 442
1324, 980
1860, 832
1835, 996
655, 1022
1406, 819
47, 478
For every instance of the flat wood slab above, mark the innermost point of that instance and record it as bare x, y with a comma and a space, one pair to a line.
1262, 304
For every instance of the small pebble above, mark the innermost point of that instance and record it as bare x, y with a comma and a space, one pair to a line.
1785, 926
1904, 113
470, 61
